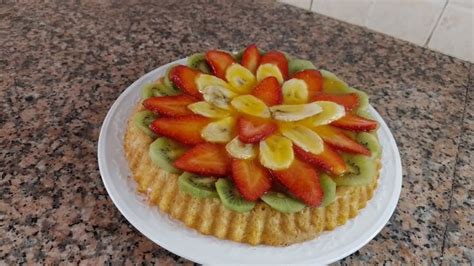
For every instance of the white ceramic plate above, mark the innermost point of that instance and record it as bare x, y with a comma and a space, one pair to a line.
185, 242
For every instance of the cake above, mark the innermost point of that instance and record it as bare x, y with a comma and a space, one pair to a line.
254, 147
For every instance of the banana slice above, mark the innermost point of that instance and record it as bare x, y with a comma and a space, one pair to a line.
218, 96
220, 131
331, 112
204, 81
208, 110
294, 112
240, 150
276, 152
240, 78
267, 70
251, 105
305, 138
295, 91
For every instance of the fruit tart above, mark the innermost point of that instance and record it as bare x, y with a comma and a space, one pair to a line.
255, 147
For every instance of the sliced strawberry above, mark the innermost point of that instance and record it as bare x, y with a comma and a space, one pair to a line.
269, 91
219, 62
302, 180
355, 123
170, 105
185, 129
313, 79
185, 78
205, 159
277, 58
349, 100
254, 130
329, 160
250, 178
341, 141
251, 58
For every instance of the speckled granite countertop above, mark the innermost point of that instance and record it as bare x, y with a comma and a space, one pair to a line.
62, 66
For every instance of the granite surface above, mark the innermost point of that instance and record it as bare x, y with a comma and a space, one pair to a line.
63, 65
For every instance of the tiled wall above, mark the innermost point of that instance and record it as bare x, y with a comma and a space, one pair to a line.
446, 26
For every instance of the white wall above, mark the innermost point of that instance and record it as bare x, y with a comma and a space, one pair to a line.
446, 26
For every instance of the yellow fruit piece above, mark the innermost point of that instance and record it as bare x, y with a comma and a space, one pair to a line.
204, 81
240, 150
295, 91
208, 110
276, 152
294, 112
268, 70
251, 105
218, 96
332, 84
240, 78
220, 131
305, 138
331, 112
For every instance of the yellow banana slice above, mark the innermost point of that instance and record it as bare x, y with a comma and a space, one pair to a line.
240, 150
220, 131
208, 110
294, 112
276, 152
250, 105
240, 78
295, 91
305, 138
267, 70
331, 112
204, 81
218, 96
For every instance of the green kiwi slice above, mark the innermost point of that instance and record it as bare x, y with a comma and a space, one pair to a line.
198, 62
362, 170
282, 202
231, 198
197, 186
329, 189
164, 151
369, 140
143, 120
296, 65
169, 87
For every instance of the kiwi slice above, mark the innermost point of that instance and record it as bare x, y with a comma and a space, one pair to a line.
362, 170
237, 55
296, 65
369, 140
329, 189
363, 99
198, 62
282, 202
143, 120
164, 151
169, 87
197, 186
231, 198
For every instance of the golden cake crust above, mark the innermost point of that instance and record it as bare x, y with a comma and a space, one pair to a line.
262, 225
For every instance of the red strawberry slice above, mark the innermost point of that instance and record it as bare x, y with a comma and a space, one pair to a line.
251, 58
329, 160
185, 129
254, 130
349, 100
219, 62
355, 123
313, 79
277, 58
341, 141
302, 180
170, 105
269, 91
250, 178
185, 78
205, 159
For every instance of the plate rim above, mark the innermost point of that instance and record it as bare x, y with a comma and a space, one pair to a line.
377, 227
